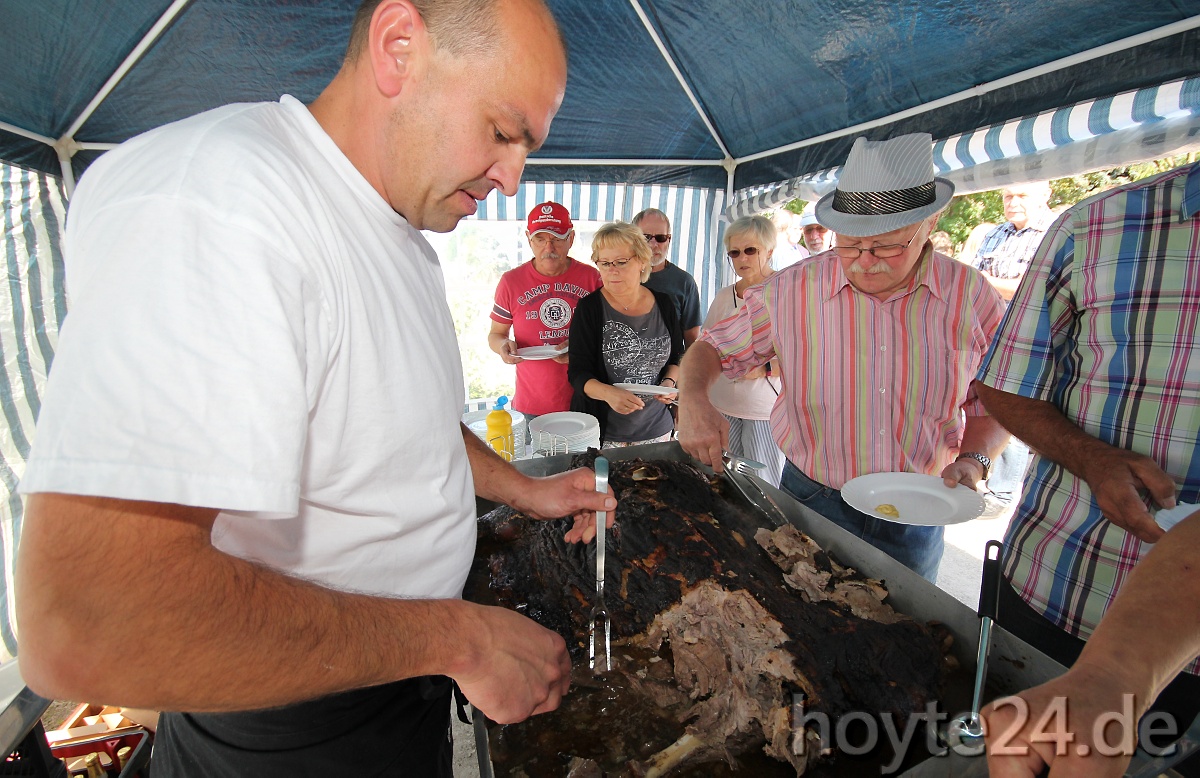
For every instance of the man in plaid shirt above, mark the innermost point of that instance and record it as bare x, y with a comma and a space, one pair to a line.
1097, 367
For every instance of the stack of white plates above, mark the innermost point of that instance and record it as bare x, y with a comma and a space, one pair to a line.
566, 432
476, 421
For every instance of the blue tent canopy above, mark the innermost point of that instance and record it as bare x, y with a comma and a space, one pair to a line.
687, 92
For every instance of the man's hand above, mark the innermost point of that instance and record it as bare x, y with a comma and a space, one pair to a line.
518, 668
1054, 726
965, 471
1116, 476
703, 432
508, 352
572, 493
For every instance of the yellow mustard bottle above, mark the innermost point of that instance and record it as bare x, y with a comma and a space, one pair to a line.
499, 429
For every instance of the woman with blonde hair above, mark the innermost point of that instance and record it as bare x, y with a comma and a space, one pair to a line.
746, 402
625, 333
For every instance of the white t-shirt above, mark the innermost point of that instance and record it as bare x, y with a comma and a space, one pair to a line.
752, 399
252, 328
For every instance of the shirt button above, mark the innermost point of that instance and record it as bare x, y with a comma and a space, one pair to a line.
883, 348
880, 432
882, 390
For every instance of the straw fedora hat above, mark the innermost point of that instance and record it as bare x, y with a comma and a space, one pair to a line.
885, 185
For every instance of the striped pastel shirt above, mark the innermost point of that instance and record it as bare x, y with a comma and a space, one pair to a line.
868, 386
1104, 326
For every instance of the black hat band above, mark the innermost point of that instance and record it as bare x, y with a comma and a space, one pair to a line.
883, 203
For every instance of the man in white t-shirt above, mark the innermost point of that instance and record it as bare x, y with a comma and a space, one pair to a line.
249, 444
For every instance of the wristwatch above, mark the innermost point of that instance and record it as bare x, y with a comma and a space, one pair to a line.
982, 459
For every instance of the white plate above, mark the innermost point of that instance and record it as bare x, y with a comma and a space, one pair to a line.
649, 390
542, 352
564, 424
923, 500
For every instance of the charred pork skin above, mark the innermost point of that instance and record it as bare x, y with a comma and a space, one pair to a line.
720, 623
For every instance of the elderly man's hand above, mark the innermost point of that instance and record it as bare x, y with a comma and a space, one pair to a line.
966, 471
703, 431
1116, 477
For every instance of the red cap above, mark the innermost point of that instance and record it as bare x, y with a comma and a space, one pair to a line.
549, 217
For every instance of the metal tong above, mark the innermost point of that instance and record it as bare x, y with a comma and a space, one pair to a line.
746, 467
599, 610
968, 729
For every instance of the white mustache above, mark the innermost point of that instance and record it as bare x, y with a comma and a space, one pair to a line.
878, 267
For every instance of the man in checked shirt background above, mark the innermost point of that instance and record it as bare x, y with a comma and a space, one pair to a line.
1097, 368
876, 342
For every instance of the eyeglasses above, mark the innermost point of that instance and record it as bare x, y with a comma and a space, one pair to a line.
748, 251
657, 238
879, 252
604, 264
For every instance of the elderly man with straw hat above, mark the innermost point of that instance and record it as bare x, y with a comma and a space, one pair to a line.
876, 340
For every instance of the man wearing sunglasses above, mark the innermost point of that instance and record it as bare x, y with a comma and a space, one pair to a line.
667, 278
876, 343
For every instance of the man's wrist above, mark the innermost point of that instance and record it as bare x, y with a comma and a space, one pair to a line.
983, 460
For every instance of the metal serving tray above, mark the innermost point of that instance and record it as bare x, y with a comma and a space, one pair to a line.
1014, 664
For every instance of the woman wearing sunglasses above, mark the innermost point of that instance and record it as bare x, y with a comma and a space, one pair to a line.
746, 402
624, 333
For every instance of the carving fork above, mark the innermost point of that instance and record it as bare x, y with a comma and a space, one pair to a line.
598, 609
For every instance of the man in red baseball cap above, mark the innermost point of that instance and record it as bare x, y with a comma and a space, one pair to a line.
536, 301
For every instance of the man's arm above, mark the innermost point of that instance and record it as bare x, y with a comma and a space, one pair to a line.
981, 434
1150, 632
503, 345
166, 621
1114, 475
703, 431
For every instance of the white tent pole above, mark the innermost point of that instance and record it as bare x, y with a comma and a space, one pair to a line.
68, 174
1024, 75
645, 162
637, 7
96, 146
15, 130
130, 60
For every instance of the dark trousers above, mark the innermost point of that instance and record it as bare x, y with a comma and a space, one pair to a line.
1180, 700
917, 548
397, 729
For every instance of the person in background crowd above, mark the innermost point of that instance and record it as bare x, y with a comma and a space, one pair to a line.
942, 243
1007, 249
1002, 258
625, 333
786, 253
1097, 368
746, 402
817, 238
254, 417
970, 246
667, 278
535, 302
877, 343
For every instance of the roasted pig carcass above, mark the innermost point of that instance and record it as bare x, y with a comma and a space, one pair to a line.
721, 627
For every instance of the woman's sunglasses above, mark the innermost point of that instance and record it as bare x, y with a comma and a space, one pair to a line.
748, 251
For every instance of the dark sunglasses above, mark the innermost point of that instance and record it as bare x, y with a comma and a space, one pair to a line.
748, 251
660, 238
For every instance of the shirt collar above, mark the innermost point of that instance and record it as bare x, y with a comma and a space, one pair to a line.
928, 273
1191, 194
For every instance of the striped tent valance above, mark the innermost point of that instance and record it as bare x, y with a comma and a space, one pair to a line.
1091, 135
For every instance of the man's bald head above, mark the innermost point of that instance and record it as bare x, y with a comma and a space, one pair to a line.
461, 27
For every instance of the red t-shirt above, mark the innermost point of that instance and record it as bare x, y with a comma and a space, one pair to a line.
540, 308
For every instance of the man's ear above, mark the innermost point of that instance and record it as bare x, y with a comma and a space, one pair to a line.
396, 39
